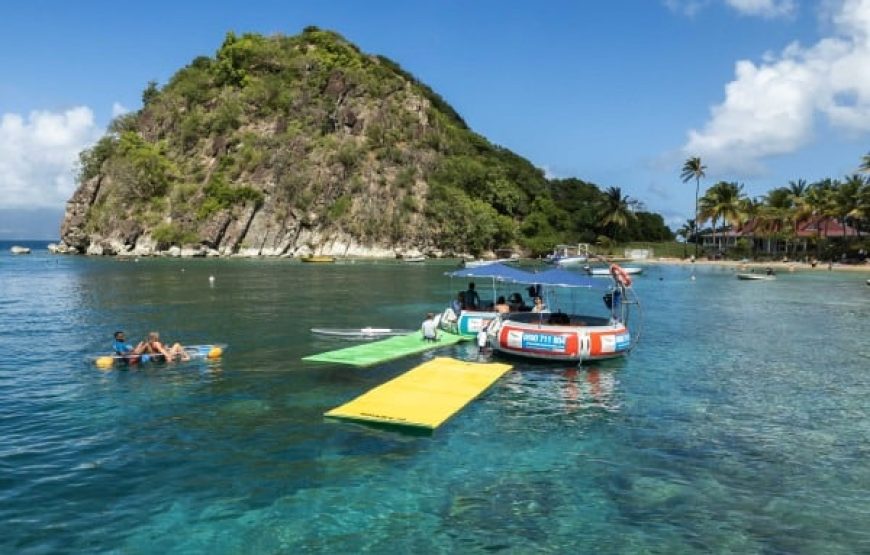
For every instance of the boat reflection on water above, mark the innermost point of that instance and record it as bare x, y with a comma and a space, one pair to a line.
580, 390
588, 388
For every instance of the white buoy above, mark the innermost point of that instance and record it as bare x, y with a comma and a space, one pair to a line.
693, 277
211, 280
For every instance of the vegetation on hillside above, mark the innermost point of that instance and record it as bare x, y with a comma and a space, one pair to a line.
309, 129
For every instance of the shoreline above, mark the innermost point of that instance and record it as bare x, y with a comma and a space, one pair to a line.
779, 266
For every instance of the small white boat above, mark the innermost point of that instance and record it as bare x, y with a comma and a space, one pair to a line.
569, 255
605, 272
420, 258
359, 332
756, 277
479, 263
20, 250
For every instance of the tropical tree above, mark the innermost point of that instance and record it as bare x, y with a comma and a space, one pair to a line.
847, 201
750, 211
694, 169
728, 204
706, 211
797, 188
865, 163
685, 232
722, 202
777, 214
617, 211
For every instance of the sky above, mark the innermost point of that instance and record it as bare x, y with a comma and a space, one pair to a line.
617, 93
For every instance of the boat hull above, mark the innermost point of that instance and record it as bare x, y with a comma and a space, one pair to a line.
570, 260
605, 272
755, 277
468, 323
561, 343
321, 259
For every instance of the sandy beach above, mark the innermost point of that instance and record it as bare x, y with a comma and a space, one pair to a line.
779, 266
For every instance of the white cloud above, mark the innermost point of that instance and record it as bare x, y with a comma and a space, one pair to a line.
686, 7
38, 155
763, 8
119, 109
770, 108
760, 8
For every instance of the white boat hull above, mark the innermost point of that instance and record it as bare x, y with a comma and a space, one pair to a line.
569, 343
479, 263
570, 260
605, 272
755, 277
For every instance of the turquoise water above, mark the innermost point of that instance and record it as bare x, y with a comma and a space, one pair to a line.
740, 424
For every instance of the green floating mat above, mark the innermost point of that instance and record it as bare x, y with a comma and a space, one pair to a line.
368, 354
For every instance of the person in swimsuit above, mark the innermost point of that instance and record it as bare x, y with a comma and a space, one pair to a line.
153, 346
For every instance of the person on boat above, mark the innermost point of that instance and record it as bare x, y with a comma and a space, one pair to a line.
516, 304
472, 299
153, 346
501, 306
539, 305
429, 328
458, 303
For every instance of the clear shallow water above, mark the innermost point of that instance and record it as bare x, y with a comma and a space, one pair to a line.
738, 425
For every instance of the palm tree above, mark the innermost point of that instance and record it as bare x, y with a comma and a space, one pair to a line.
617, 210
707, 211
728, 205
797, 188
749, 210
694, 169
811, 206
865, 163
685, 232
847, 200
778, 213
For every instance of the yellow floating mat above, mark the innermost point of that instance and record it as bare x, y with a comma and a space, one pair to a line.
425, 396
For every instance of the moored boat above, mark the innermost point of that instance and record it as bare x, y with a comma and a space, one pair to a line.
318, 258
553, 334
16, 249
756, 277
409, 258
569, 255
605, 272
367, 332
479, 263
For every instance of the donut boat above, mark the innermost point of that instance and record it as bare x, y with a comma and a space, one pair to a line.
564, 332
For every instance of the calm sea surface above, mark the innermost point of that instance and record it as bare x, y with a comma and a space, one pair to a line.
740, 424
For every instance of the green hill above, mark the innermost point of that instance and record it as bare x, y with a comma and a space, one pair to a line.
285, 145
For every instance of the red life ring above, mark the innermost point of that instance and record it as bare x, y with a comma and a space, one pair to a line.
620, 275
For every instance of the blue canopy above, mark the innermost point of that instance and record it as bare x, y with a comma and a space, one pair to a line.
496, 271
557, 277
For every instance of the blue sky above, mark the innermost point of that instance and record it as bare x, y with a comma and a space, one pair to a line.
618, 93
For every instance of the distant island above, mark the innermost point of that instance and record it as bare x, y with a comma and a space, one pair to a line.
305, 145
